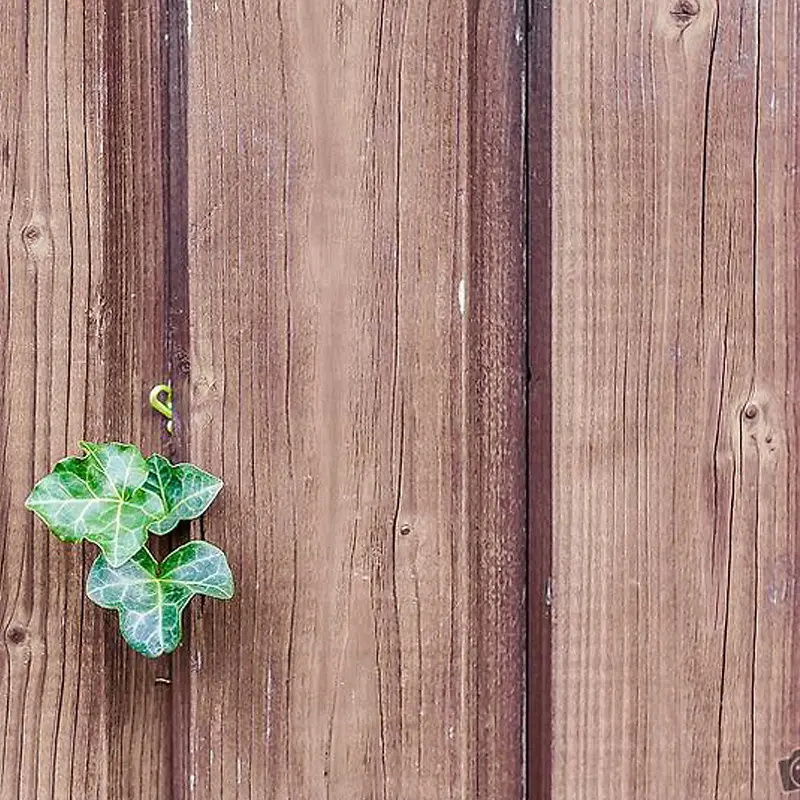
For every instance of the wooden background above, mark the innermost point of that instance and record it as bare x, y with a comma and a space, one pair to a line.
311, 218
676, 128
486, 315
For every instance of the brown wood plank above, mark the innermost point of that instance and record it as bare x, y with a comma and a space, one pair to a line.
357, 378
496, 510
174, 147
676, 132
133, 342
81, 342
540, 399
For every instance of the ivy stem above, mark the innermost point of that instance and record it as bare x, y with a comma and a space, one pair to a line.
164, 407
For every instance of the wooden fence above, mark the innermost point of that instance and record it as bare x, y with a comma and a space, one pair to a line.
487, 316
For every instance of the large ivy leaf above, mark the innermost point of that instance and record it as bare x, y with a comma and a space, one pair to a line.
150, 597
186, 491
100, 497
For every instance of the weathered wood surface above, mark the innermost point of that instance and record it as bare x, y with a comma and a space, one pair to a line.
357, 377
539, 708
81, 321
675, 372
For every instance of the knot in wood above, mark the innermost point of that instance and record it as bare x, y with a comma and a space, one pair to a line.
751, 411
31, 234
35, 238
684, 12
16, 635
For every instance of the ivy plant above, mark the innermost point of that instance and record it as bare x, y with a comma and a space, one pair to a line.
150, 597
114, 497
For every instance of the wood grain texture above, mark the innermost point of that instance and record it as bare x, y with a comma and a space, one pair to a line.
357, 372
81, 338
676, 129
538, 172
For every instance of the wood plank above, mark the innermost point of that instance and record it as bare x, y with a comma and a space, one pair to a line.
133, 356
676, 132
174, 87
539, 699
357, 378
81, 342
496, 373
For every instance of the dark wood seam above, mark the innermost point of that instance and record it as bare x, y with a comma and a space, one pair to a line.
174, 89
539, 459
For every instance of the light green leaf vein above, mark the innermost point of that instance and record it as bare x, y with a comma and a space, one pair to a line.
185, 490
150, 597
100, 497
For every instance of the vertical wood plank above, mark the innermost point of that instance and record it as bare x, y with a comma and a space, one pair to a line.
357, 372
771, 437
175, 220
133, 355
81, 341
496, 375
538, 167
675, 305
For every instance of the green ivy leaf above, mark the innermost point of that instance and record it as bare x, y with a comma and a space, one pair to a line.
186, 491
99, 497
150, 597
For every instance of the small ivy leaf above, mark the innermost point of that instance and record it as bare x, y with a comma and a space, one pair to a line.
150, 597
186, 491
100, 497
